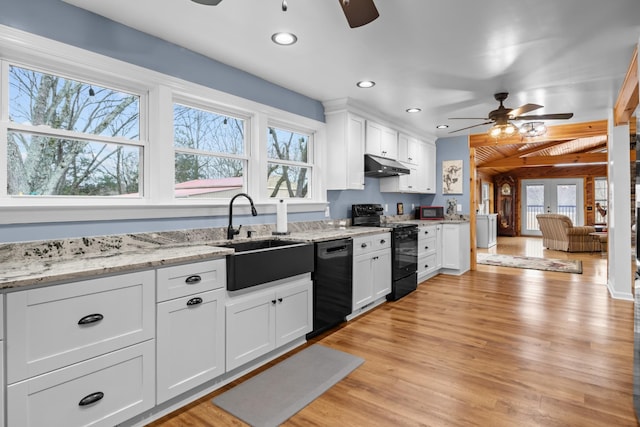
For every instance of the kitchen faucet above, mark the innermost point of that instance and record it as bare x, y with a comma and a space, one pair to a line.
230, 230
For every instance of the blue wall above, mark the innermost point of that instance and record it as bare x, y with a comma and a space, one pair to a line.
453, 148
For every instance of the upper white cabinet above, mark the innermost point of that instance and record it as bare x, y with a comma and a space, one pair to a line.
427, 168
345, 151
381, 140
408, 149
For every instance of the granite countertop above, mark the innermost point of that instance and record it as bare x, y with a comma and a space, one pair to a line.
54, 261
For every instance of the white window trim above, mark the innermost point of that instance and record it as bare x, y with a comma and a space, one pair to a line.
32, 51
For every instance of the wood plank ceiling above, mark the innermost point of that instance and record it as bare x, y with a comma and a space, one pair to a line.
581, 145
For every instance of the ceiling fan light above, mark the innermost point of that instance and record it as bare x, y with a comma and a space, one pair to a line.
502, 130
533, 129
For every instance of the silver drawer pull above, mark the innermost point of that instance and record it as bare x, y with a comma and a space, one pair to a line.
364, 245
194, 301
193, 280
91, 318
382, 242
91, 398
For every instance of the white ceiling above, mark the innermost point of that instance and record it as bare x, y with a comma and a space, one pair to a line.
446, 57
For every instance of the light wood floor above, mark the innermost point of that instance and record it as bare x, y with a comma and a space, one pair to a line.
495, 347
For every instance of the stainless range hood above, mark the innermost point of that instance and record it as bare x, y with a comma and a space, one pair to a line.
381, 167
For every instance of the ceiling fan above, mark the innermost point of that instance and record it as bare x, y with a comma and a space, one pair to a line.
502, 116
357, 12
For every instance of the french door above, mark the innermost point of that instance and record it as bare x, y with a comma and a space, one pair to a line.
562, 196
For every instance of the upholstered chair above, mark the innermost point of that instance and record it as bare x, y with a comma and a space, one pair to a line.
559, 233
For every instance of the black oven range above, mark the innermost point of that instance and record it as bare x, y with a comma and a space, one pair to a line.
404, 247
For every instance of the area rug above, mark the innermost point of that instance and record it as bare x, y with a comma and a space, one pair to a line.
273, 396
547, 264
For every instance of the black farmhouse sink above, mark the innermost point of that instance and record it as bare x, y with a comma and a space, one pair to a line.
261, 261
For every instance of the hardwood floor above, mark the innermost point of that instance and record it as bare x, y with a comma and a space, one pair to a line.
494, 347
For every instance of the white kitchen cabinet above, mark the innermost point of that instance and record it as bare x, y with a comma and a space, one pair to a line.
381, 140
190, 326
408, 149
55, 326
406, 183
427, 168
345, 151
102, 391
455, 248
371, 268
263, 320
81, 353
429, 250
486, 230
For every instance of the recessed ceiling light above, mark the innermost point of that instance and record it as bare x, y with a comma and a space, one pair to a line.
442, 126
413, 110
284, 39
366, 84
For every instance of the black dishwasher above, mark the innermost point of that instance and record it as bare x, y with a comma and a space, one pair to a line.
332, 284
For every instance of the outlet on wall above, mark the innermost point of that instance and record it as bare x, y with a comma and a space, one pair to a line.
386, 207
459, 208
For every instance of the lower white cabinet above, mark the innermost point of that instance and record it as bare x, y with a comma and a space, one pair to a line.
190, 326
486, 230
263, 320
371, 268
190, 342
102, 391
429, 250
455, 248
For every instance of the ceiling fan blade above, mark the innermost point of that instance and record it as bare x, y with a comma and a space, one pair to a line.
468, 118
473, 126
559, 116
359, 12
523, 109
208, 2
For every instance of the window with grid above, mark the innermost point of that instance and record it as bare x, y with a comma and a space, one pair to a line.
67, 137
600, 200
289, 166
210, 153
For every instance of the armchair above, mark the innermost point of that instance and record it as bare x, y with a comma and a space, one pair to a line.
559, 233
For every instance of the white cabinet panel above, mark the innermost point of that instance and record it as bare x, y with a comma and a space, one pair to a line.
63, 324
190, 342
371, 268
120, 384
381, 140
181, 280
294, 312
486, 230
428, 168
456, 248
345, 151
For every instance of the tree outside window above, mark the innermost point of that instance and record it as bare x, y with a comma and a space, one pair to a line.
289, 170
210, 155
70, 138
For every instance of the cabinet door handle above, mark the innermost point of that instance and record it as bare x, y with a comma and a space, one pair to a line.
91, 318
91, 398
194, 301
426, 232
193, 280
364, 245
426, 247
279, 299
273, 302
426, 266
382, 242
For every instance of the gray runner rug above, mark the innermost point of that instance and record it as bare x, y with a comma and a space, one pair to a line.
273, 396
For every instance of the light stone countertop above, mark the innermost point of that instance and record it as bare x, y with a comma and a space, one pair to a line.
56, 261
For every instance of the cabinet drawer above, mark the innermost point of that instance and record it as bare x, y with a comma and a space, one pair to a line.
427, 232
181, 280
374, 242
427, 263
124, 378
59, 325
427, 246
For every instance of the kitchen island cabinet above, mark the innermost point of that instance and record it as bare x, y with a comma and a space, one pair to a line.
486, 230
260, 321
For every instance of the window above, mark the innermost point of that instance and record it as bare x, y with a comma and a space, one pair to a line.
289, 169
71, 138
210, 159
600, 197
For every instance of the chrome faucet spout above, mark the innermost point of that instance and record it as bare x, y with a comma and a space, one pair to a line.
230, 230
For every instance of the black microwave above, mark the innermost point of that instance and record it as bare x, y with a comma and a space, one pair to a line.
430, 212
